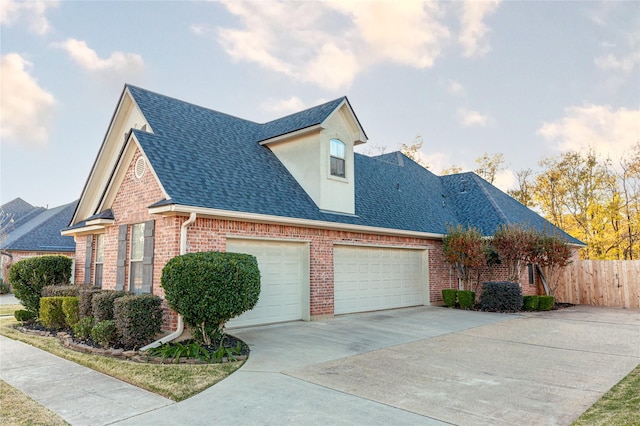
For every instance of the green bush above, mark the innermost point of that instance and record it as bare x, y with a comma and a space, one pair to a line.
102, 304
138, 319
210, 288
530, 303
70, 309
24, 315
104, 333
546, 303
86, 297
4, 287
82, 329
449, 297
51, 314
59, 291
466, 299
29, 276
501, 297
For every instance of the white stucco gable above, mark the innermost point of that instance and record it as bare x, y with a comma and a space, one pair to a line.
306, 155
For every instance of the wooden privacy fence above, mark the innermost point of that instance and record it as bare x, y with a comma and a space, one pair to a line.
601, 282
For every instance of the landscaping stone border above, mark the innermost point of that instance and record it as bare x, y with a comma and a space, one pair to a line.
132, 355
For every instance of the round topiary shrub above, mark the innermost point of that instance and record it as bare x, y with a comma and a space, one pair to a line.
29, 276
449, 297
210, 288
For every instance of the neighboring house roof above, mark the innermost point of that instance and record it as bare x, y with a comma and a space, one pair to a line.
41, 233
204, 158
16, 212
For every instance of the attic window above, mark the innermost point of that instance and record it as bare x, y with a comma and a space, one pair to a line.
140, 167
337, 153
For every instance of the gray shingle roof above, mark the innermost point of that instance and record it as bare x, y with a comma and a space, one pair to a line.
16, 212
41, 233
204, 158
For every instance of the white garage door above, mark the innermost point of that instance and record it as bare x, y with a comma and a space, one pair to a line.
373, 278
282, 281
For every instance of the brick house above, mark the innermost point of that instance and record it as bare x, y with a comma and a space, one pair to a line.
28, 231
334, 231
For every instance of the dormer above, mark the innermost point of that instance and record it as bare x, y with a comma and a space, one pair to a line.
319, 153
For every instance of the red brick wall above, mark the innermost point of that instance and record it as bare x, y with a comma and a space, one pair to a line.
135, 195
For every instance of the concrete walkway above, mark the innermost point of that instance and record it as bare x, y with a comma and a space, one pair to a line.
422, 366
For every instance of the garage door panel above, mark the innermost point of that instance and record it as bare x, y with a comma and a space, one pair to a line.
371, 278
282, 281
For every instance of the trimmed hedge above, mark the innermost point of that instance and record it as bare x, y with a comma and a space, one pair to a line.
449, 297
501, 297
24, 316
546, 303
86, 298
530, 303
70, 309
104, 333
466, 299
29, 276
102, 304
138, 319
60, 291
210, 288
51, 314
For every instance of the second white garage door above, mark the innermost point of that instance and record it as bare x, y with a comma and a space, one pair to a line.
283, 280
374, 278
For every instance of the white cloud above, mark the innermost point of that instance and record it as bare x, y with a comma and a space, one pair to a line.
473, 30
283, 106
468, 118
329, 43
505, 180
33, 12
27, 109
627, 61
610, 132
455, 88
119, 64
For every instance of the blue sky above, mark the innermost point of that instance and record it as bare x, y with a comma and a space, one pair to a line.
525, 79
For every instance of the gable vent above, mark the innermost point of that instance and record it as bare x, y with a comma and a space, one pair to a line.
140, 167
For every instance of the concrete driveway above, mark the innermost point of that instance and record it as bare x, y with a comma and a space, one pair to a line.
427, 365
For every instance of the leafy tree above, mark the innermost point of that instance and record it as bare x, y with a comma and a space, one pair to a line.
451, 170
524, 191
516, 247
490, 166
413, 151
553, 254
465, 249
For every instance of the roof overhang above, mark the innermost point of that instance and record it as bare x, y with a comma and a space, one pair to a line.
292, 135
181, 210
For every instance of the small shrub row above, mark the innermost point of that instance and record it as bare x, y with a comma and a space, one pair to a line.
102, 304
538, 303
464, 299
58, 312
86, 301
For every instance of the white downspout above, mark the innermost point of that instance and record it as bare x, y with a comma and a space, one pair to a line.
183, 250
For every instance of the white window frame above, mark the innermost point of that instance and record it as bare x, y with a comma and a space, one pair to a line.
136, 254
99, 261
337, 155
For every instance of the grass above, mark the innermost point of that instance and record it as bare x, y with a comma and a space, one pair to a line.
9, 309
619, 406
19, 409
173, 381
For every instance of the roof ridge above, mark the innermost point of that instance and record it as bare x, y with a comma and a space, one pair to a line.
479, 181
172, 98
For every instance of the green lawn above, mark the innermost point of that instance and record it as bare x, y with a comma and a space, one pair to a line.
619, 406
